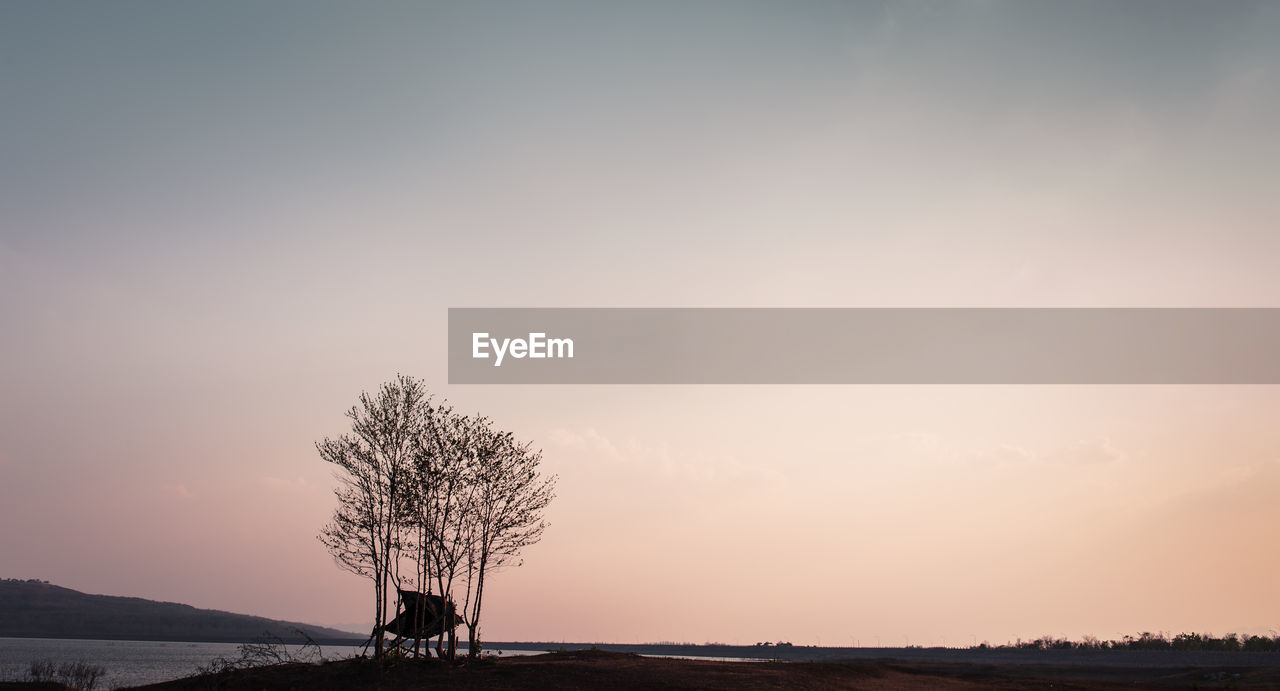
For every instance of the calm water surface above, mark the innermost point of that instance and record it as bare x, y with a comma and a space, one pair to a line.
132, 663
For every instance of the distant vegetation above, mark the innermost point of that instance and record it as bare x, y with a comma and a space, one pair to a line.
267, 651
1152, 641
78, 675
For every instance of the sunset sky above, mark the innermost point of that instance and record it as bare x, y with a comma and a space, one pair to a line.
220, 222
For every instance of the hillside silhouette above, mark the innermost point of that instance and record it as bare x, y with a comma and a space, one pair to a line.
36, 609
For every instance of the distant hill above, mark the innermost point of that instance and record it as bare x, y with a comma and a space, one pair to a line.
35, 609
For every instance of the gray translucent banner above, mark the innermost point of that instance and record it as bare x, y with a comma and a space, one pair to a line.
864, 346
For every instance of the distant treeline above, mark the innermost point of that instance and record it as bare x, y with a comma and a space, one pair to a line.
1152, 641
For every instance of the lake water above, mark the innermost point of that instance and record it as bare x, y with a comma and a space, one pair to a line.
132, 663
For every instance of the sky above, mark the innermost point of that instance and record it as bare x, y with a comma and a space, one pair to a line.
220, 222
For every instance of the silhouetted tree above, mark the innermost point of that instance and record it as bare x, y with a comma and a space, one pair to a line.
445, 506
446, 495
375, 464
509, 497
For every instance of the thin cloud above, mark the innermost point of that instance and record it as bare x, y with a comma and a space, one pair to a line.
660, 461
1093, 451
281, 484
1088, 451
588, 439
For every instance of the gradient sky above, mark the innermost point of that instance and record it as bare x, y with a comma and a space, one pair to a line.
220, 222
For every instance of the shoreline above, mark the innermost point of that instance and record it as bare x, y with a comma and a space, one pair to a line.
750, 653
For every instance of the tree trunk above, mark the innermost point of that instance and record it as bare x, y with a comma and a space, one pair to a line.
378, 619
473, 627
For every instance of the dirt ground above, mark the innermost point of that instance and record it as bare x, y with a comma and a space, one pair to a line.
586, 669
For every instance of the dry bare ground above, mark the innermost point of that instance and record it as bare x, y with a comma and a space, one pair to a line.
586, 669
